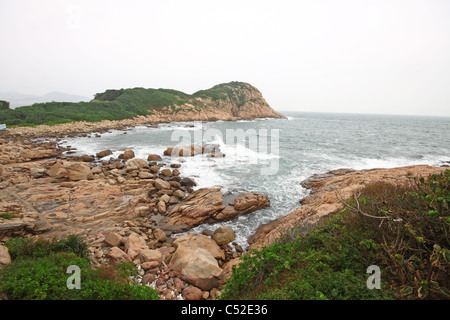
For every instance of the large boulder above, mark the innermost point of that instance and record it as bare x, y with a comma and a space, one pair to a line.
197, 208
78, 171
5, 258
57, 171
197, 240
136, 164
103, 153
128, 154
223, 235
161, 184
197, 266
250, 202
154, 157
184, 151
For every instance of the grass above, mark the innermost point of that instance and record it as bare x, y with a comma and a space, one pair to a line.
331, 261
39, 272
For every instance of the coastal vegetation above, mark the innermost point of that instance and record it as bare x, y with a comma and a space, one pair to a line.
117, 105
403, 229
38, 272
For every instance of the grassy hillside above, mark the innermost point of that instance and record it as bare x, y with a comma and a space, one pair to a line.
113, 105
402, 229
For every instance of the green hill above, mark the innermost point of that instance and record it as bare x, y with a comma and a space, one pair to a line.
125, 103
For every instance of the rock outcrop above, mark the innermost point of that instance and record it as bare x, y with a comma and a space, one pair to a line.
323, 201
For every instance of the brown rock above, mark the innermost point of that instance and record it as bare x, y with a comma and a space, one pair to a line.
136, 164
147, 265
200, 206
129, 154
145, 175
154, 157
197, 266
57, 171
192, 293
151, 255
78, 171
5, 258
104, 153
134, 242
161, 184
224, 235
250, 202
166, 172
162, 207
113, 239
159, 235
118, 255
86, 158
197, 240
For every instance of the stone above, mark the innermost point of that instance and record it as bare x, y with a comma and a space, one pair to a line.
86, 158
192, 293
197, 240
184, 151
151, 255
128, 154
145, 175
197, 208
118, 255
187, 182
249, 202
78, 171
162, 207
5, 258
147, 265
166, 172
148, 278
159, 235
223, 235
228, 213
197, 266
161, 184
103, 153
134, 242
37, 172
57, 171
113, 239
179, 193
165, 198
154, 157
154, 169
136, 164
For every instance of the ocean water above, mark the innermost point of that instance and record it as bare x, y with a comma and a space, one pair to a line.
274, 156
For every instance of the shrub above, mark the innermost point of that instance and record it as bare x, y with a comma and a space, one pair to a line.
39, 272
410, 245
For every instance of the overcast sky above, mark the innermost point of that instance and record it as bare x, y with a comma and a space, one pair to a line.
360, 56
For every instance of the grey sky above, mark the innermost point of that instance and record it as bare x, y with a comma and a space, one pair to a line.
324, 55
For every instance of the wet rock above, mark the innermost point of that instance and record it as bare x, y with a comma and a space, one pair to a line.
223, 235
103, 153
197, 208
154, 157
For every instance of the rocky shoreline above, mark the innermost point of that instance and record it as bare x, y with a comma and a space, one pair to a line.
131, 209
126, 209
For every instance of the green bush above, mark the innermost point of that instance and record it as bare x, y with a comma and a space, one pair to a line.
39, 272
411, 247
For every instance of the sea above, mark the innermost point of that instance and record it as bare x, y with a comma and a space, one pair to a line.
274, 156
